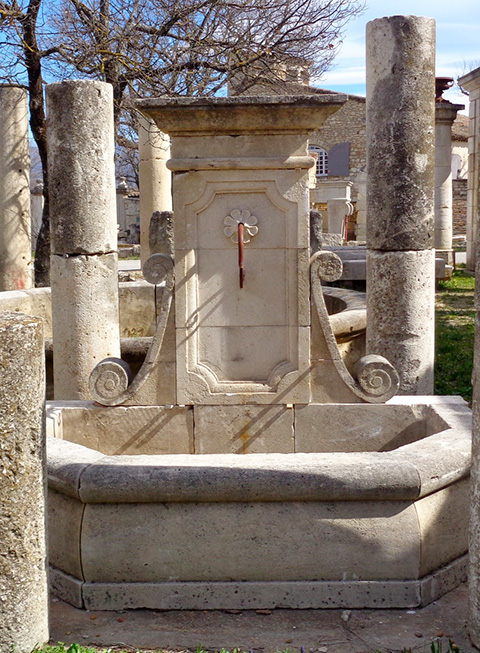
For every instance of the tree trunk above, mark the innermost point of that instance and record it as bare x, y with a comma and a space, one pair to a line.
38, 124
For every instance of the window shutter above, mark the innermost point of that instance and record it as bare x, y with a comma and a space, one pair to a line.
339, 160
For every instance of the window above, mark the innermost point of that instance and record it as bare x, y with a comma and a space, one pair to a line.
322, 160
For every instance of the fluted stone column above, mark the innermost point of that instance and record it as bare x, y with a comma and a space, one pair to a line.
23, 570
445, 114
16, 263
400, 192
84, 270
155, 179
471, 83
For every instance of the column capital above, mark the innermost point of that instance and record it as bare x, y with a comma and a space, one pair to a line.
446, 112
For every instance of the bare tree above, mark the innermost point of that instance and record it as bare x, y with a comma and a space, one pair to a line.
164, 47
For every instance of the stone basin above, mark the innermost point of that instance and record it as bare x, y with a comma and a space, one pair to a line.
335, 505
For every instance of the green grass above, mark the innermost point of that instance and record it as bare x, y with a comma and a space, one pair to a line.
455, 319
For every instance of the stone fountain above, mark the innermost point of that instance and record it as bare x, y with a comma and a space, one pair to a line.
342, 500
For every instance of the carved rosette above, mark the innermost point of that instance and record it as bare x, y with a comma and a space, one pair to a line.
236, 218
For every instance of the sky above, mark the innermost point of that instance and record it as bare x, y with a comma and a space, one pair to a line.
458, 42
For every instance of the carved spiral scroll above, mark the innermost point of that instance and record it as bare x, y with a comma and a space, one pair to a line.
327, 265
110, 378
377, 377
156, 268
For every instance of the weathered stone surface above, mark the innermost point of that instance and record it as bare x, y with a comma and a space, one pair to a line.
160, 233
316, 231
65, 516
15, 237
220, 115
81, 167
400, 132
85, 319
155, 180
137, 309
443, 525
328, 508
243, 429
471, 82
23, 578
329, 541
256, 477
445, 114
400, 315
360, 427
277, 594
134, 430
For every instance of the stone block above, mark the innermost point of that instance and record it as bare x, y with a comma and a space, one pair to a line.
228, 365
66, 463
327, 541
400, 315
137, 309
243, 429
81, 167
357, 427
400, 154
131, 430
66, 587
85, 319
219, 478
253, 595
65, 516
443, 525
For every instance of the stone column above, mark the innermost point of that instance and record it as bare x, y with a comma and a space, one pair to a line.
36, 210
84, 268
445, 114
471, 83
15, 242
155, 180
23, 572
122, 192
400, 192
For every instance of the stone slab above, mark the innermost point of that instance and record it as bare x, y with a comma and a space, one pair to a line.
243, 429
366, 540
267, 477
358, 427
132, 430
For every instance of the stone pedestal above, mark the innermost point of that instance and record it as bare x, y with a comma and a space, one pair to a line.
445, 114
83, 232
238, 175
338, 209
155, 179
15, 239
471, 83
23, 574
400, 192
